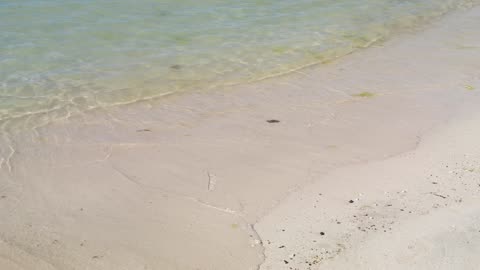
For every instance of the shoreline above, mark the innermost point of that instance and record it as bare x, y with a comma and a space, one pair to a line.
63, 112
195, 174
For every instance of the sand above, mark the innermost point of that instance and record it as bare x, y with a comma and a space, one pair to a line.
418, 210
203, 181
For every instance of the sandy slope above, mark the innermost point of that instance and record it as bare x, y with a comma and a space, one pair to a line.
420, 210
178, 183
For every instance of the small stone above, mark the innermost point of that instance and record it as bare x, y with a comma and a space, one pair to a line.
322, 233
351, 201
273, 121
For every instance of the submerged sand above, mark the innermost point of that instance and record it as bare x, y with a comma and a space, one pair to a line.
205, 181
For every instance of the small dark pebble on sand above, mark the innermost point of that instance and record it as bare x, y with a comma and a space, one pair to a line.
351, 201
438, 195
144, 130
176, 67
322, 233
273, 121
285, 261
281, 247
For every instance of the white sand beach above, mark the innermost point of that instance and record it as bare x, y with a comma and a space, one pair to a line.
418, 210
372, 163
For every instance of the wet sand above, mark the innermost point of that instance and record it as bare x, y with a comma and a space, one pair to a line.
209, 180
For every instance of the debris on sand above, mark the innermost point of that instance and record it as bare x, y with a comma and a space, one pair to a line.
273, 121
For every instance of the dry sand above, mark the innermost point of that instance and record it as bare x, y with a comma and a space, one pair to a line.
203, 181
419, 210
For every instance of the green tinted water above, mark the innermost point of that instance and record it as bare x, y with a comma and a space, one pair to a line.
59, 57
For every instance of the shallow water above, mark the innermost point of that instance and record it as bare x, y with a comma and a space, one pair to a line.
59, 57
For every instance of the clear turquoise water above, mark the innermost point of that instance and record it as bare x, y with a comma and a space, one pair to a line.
58, 57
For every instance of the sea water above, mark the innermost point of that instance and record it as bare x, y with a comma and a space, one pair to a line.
58, 57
